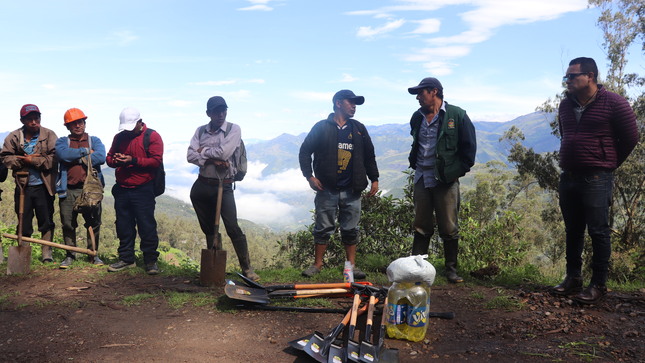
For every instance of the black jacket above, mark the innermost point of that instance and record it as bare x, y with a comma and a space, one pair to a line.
322, 142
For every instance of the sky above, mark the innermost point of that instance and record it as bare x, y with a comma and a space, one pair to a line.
279, 62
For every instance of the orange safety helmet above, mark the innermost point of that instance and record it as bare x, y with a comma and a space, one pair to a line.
73, 114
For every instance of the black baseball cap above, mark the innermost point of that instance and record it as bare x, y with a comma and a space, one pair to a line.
429, 82
215, 102
346, 94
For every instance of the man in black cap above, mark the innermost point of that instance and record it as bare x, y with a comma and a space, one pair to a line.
443, 149
343, 159
215, 148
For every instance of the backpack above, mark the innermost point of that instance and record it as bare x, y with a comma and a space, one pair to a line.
92, 192
159, 180
239, 155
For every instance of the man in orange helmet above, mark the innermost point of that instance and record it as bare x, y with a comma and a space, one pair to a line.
31, 148
72, 152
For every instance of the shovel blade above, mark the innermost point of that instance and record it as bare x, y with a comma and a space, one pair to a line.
353, 351
336, 353
245, 293
300, 343
213, 267
369, 353
315, 346
19, 260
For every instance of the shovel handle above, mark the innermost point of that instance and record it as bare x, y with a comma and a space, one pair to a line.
330, 285
370, 317
352, 320
296, 293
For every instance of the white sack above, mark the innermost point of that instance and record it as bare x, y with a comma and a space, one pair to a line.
411, 269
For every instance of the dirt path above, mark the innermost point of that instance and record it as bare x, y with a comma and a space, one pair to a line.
79, 315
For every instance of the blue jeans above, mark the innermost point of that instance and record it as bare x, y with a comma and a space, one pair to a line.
346, 204
440, 202
584, 201
135, 208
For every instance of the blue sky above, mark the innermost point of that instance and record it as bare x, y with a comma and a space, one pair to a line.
278, 62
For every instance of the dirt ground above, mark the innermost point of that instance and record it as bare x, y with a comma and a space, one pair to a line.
79, 315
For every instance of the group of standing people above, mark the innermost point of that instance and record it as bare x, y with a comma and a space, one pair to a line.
337, 158
598, 132
59, 166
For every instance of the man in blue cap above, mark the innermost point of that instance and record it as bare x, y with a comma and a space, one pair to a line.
343, 160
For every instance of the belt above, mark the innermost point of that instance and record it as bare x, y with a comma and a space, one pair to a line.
585, 173
213, 181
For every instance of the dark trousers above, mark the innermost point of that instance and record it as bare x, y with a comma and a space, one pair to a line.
204, 199
135, 209
69, 219
584, 202
38, 201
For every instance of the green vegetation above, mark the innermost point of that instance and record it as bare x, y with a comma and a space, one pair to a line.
510, 221
137, 299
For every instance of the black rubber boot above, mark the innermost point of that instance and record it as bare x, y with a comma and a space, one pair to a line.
46, 250
450, 252
420, 244
242, 251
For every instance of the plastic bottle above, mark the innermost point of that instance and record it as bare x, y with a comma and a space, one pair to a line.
397, 310
417, 317
348, 272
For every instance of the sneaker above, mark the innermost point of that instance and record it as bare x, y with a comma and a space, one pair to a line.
120, 266
312, 270
48, 260
358, 274
152, 268
96, 261
67, 263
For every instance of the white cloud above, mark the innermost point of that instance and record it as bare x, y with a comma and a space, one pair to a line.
180, 103
369, 32
258, 5
347, 78
427, 26
214, 83
123, 37
256, 8
313, 96
482, 21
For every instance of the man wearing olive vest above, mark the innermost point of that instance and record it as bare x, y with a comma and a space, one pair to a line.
443, 149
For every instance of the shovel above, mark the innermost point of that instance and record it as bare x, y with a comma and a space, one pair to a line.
351, 349
380, 353
300, 343
19, 257
318, 345
240, 292
270, 288
213, 261
367, 350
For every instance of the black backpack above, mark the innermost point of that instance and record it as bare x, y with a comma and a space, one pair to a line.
159, 180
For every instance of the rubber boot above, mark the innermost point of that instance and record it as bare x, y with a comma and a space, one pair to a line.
46, 250
420, 244
210, 241
450, 251
242, 251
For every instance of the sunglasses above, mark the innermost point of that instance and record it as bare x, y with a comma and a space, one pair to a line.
572, 76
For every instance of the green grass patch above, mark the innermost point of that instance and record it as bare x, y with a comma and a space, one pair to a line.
503, 302
585, 351
137, 299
